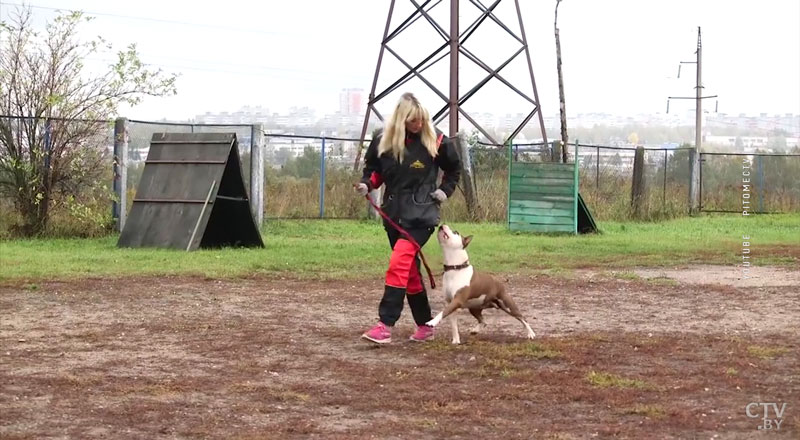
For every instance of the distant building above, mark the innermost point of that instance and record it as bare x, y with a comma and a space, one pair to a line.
245, 115
778, 131
750, 143
351, 102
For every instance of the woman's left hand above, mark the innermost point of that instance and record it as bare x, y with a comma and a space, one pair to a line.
439, 196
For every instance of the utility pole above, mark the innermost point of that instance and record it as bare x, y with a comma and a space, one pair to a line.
694, 159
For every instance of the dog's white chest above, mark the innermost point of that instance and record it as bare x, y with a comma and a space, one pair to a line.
456, 279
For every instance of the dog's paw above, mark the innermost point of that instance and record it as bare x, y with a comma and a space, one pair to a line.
431, 323
477, 329
531, 335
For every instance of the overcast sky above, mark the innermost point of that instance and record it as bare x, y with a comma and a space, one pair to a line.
620, 56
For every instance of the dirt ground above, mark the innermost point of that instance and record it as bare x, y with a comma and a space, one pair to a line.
677, 353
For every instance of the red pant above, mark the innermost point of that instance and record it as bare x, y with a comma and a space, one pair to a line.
403, 269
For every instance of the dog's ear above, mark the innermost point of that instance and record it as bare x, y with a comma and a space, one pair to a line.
465, 241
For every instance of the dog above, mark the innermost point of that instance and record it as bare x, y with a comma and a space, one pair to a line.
463, 287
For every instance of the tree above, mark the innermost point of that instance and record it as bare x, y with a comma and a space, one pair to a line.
562, 103
305, 166
52, 146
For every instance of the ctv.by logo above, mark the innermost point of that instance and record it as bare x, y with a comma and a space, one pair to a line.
767, 422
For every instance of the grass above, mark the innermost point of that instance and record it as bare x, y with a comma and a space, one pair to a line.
652, 411
627, 275
662, 281
352, 249
608, 380
766, 353
498, 352
496, 360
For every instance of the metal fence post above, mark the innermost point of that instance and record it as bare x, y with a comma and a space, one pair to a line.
508, 193
597, 171
467, 177
694, 181
119, 205
322, 181
761, 192
700, 184
638, 184
256, 172
48, 147
664, 194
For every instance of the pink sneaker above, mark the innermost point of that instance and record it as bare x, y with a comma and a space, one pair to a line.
380, 334
423, 333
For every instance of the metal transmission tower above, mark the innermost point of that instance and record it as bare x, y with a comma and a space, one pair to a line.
452, 46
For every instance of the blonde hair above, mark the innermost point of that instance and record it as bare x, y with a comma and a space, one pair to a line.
394, 136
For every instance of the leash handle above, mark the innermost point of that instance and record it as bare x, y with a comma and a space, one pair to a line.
408, 237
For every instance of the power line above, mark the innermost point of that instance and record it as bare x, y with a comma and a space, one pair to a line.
257, 70
264, 73
155, 20
201, 62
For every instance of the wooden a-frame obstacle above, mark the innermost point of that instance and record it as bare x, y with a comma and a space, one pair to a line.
191, 195
543, 197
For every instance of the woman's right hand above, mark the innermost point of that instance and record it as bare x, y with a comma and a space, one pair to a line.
361, 188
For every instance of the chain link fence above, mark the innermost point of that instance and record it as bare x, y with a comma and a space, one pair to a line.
756, 183
606, 179
312, 176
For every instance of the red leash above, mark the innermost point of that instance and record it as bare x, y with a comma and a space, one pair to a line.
407, 237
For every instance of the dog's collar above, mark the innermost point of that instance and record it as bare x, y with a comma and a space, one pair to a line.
463, 265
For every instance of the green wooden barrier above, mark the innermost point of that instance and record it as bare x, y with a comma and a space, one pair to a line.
542, 196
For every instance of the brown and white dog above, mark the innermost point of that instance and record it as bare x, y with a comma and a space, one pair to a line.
465, 288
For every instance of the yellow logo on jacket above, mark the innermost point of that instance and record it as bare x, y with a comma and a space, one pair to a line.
417, 164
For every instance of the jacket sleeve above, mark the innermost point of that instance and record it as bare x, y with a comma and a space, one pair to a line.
371, 175
449, 162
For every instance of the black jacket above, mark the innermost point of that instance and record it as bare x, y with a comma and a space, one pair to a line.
406, 198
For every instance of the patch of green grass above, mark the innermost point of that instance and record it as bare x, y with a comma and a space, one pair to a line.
496, 359
627, 275
608, 380
559, 272
662, 281
493, 350
501, 367
441, 345
443, 406
530, 350
358, 249
652, 411
731, 371
766, 353
292, 396
428, 423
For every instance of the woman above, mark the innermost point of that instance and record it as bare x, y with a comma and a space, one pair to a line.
406, 158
